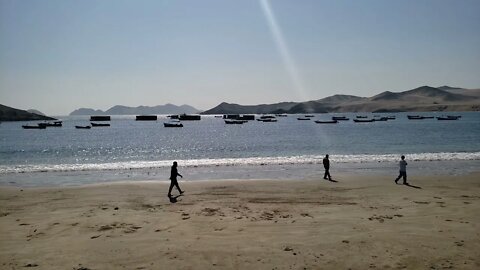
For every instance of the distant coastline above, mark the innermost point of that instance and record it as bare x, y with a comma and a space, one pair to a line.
421, 99
125, 110
424, 98
12, 114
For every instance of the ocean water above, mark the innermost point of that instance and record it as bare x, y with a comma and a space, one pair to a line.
210, 149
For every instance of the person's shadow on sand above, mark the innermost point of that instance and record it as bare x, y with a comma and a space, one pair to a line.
173, 199
331, 180
410, 185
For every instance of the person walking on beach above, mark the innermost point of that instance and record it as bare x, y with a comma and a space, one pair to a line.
326, 165
173, 179
403, 171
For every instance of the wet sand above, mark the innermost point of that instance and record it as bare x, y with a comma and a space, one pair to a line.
359, 222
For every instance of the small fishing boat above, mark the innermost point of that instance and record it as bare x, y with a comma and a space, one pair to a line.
380, 119
189, 117
54, 124
99, 125
281, 115
418, 117
361, 116
177, 124
303, 118
83, 127
326, 122
391, 117
146, 118
100, 118
340, 118
34, 127
267, 117
363, 120
309, 115
235, 122
267, 120
448, 117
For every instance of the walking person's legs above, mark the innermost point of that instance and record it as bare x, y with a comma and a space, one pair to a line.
404, 174
178, 187
398, 178
170, 188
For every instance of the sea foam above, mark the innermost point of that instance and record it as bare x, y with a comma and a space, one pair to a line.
292, 160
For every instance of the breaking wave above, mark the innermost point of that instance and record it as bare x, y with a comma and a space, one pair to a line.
305, 159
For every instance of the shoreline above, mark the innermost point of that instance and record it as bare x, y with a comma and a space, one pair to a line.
245, 172
358, 222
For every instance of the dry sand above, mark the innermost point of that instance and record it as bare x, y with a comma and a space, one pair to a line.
357, 222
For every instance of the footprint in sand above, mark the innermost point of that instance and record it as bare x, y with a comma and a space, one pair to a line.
266, 216
211, 212
382, 218
459, 243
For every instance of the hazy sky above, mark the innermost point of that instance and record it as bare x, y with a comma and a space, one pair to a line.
59, 55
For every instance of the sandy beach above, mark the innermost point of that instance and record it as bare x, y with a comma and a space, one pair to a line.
359, 222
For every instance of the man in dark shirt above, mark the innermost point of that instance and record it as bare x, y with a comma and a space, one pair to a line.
173, 179
326, 165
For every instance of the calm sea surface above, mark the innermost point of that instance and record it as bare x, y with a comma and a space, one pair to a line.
211, 149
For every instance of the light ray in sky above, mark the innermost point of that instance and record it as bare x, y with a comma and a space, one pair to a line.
283, 49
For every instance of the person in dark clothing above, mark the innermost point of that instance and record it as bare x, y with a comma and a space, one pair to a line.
173, 179
326, 165
403, 171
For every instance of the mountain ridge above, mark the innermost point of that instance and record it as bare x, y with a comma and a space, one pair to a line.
126, 110
13, 114
423, 98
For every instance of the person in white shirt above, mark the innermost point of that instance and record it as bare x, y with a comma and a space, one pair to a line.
403, 171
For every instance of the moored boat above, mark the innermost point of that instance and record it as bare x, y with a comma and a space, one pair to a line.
303, 118
418, 117
34, 127
340, 118
177, 124
363, 120
99, 125
100, 118
326, 121
146, 118
189, 117
235, 122
267, 120
448, 117
83, 127
54, 124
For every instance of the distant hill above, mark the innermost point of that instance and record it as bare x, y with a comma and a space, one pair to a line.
12, 114
231, 108
340, 99
125, 110
87, 111
35, 112
424, 98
